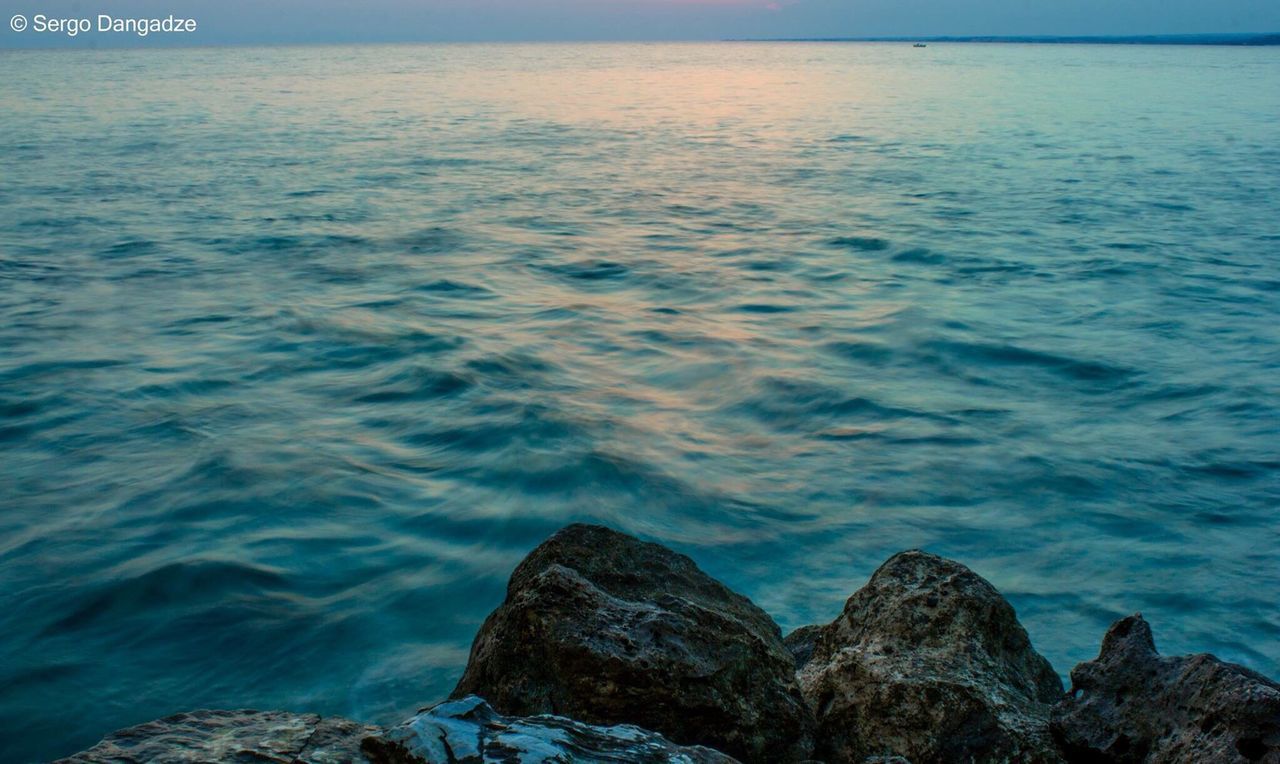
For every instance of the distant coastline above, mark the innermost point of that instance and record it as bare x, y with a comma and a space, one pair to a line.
1254, 40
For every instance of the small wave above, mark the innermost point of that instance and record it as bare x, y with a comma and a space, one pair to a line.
456, 289
293, 243
13, 408
430, 241
436, 162
589, 270
212, 318
416, 384
182, 388
861, 243
769, 266
865, 352
179, 584
920, 256
765, 307
1013, 355
131, 248
46, 369
892, 437
510, 369
1235, 470
790, 404
9, 433
524, 424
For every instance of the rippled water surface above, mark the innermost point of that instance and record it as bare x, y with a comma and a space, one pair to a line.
302, 349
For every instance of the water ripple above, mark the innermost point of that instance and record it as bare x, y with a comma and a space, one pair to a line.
295, 370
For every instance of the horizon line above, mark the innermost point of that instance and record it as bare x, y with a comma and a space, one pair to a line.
1234, 39
1194, 38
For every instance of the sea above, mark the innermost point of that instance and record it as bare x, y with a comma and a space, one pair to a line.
302, 349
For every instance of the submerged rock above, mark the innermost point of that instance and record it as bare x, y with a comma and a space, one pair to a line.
469, 731
602, 627
228, 736
1132, 705
929, 662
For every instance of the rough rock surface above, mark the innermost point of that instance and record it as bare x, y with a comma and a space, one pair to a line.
204, 737
1132, 705
929, 662
801, 643
602, 627
469, 731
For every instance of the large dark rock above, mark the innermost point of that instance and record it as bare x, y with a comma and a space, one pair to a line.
233, 736
1132, 705
469, 731
929, 662
607, 629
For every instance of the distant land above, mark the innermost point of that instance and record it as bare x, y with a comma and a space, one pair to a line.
1160, 39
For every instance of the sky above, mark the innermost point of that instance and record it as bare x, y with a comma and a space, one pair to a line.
295, 21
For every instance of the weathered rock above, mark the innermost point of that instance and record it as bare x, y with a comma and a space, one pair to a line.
1132, 705
801, 644
229, 736
469, 731
602, 627
929, 662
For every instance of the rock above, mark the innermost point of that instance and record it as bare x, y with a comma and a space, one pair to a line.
801, 643
226, 736
469, 731
1132, 705
607, 629
928, 662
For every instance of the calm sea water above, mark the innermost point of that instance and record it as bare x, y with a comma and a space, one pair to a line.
301, 350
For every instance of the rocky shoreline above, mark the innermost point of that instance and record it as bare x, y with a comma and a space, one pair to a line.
611, 649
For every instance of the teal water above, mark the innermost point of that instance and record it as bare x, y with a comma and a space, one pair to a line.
302, 349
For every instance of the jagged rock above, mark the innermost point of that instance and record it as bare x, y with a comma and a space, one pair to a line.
602, 627
801, 644
469, 731
1132, 705
211, 737
929, 662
